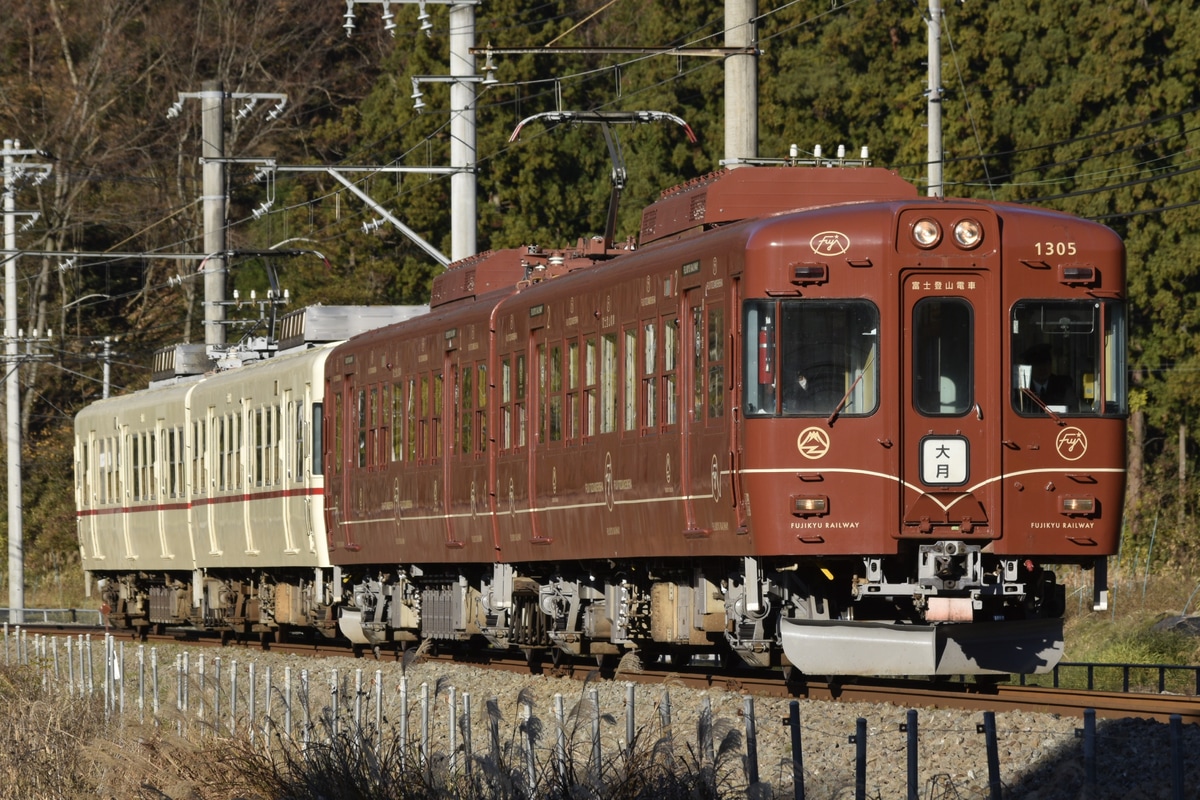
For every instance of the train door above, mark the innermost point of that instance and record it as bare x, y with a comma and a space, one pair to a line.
951, 385
538, 421
453, 402
705, 457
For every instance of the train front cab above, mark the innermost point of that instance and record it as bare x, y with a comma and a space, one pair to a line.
931, 483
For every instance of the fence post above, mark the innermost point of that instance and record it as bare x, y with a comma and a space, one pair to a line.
287, 701
141, 659
1176, 721
333, 696
911, 727
596, 754
250, 669
466, 729
860, 758
707, 754
378, 711
153, 680
630, 722
216, 723
793, 722
751, 741
453, 702
425, 727
70, 668
307, 716
664, 719
560, 742
233, 698
203, 686
1089, 752
530, 761
403, 721
993, 753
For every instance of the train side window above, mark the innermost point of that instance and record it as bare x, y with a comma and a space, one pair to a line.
1068, 357
466, 413
556, 396
361, 418
339, 427
411, 415
136, 463
506, 412
436, 431
572, 369
222, 448
316, 438
481, 391
519, 401
761, 365
943, 360
378, 430
827, 357
397, 421
631, 380
650, 375
591, 406
716, 362
423, 419
670, 367
259, 438
608, 383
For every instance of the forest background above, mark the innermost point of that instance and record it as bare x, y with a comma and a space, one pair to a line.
1092, 108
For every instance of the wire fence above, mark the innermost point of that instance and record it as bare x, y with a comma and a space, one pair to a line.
432, 725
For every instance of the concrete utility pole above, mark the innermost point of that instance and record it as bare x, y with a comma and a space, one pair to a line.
463, 185
935, 157
16, 535
741, 81
212, 134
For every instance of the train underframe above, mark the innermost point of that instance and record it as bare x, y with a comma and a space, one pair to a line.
242, 603
943, 607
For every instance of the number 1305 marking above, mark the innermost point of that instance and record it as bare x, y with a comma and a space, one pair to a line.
1055, 248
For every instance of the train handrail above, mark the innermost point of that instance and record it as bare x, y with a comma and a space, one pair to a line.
1127, 669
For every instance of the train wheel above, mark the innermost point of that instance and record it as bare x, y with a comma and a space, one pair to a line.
266, 639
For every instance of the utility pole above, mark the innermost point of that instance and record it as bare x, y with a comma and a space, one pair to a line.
212, 135
212, 158
935, 157
741, 82
462, 80
16, 536
463, 184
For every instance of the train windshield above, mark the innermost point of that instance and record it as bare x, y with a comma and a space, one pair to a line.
811, 357
1068, 357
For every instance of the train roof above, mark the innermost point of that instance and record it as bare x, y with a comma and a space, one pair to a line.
749, 192
719, 198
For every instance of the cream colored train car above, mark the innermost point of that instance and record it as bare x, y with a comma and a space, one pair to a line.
257, 492
132, 499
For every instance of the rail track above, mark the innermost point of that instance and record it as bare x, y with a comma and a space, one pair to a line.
983, 695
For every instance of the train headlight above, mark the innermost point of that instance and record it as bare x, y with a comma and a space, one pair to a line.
810, 505
968, 233
1077, 504
926, 233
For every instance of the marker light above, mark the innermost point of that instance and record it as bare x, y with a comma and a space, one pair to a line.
810, 505
926, 233
968, 233
1078, 504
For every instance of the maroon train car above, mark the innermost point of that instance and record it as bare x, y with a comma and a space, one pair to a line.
812, 418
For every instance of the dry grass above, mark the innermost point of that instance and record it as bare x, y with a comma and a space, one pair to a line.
59, 746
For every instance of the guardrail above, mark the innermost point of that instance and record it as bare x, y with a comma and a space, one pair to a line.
52, 616
1103, 677
1113, 677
